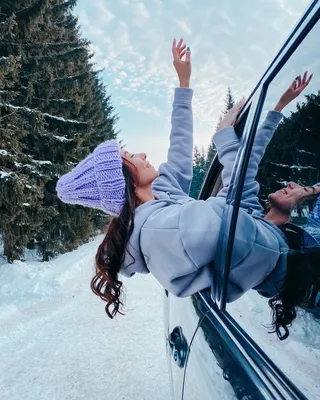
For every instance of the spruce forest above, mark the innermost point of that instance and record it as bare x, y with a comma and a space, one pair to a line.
202, 159
54, 110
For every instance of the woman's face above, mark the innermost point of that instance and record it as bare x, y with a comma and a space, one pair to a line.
285, 199
146, 172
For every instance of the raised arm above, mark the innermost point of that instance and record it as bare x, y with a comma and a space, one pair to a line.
175, 175
227, 143
264, 135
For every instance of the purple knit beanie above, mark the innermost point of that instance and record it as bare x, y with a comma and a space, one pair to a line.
97, 181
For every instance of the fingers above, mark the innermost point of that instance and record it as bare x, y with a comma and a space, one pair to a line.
174, 43
304, 82
304, 77
179, 44
174, 49
309, 79
179, 50
188, 56
182, 49
293, 84
237, 107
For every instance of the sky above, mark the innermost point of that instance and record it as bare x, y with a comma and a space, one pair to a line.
232, 44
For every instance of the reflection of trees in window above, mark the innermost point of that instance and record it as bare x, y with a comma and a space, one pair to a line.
293, 154
232, 372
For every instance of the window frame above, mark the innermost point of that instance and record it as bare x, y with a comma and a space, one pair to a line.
215, 303
252, 111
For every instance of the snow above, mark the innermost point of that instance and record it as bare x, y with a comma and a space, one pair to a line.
57, 343
298, 167
17, 107
73, 121
284, 183
3, 152
42, 162
62, 138
44, 114
4, 174
306, 152
298, 356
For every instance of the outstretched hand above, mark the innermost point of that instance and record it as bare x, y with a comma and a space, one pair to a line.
297, 86
183, 67
230, 118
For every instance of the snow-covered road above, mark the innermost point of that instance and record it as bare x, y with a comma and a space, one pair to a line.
57, 343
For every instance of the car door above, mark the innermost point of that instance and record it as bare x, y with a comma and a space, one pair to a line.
181, 322
292, 156
224, 361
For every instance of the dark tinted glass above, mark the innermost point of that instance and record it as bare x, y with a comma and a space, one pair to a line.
292, 156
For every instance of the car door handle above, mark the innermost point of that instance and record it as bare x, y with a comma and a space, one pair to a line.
178, 346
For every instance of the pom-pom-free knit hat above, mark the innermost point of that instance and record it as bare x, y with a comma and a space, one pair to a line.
97, 181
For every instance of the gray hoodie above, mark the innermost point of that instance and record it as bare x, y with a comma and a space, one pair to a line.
175, 237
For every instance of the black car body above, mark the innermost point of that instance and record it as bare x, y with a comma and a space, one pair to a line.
212, 353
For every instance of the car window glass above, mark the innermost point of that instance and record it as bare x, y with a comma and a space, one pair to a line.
222, 375
259, 260
239, 127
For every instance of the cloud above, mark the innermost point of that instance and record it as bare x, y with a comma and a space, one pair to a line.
140, 13
227, 18
181, 2
138, 105
291, 9
123, 74
138, 64
122, 35
105, 14
258, 49
183, 26
221, 30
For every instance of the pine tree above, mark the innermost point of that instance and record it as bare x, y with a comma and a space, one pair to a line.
229, 103
54, 110
199, 165
294, 149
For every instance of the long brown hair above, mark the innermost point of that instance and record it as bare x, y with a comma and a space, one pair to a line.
303, 265
112, 250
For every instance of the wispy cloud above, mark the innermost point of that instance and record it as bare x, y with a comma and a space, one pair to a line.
182, 2
140, 14
105, 13
132, 41
227, 19
117, 81
183, 26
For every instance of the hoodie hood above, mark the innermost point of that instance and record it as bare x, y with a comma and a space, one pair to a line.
134, 259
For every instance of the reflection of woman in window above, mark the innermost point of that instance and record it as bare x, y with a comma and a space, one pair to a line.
286, 282
157, 227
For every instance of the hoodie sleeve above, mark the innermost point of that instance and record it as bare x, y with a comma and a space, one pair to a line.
251, 187
227, 144
175, 175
